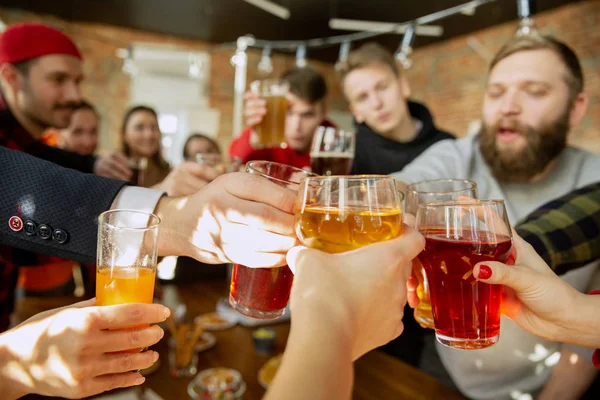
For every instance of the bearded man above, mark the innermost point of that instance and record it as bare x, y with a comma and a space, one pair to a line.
533, 98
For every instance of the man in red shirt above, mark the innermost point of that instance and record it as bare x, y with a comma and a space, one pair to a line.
306, 112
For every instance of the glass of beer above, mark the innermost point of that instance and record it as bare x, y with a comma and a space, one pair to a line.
342, 213
424, 192
332, 151
126, 258
138, 167
466, 312
263, 293
212, 160
271, 130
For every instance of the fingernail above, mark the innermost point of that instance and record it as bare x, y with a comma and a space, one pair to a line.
161, 334
485, 272
139, 380
155, 357
166, 312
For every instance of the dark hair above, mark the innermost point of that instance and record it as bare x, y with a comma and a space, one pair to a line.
24, 66
84, 105
306, 83
368, 54
157, 157
213, 143
574, 78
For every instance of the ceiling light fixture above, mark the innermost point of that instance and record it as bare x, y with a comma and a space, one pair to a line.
129, 66
405, 50
195, 70
301, 56
374, 26
271, 8
265, 64
343, 57
526, 25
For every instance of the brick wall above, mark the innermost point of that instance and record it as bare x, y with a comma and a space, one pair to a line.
107, 86
448, 76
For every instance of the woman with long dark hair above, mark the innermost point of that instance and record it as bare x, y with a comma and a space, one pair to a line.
142, 141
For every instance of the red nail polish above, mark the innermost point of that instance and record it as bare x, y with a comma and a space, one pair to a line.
485, 272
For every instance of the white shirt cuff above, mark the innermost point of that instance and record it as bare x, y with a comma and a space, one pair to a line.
137, 198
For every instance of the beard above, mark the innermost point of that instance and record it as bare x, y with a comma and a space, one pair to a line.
543, 144
40, 115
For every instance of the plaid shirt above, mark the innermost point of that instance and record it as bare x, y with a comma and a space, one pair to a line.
566, 231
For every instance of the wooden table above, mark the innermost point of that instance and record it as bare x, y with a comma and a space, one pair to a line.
378, 376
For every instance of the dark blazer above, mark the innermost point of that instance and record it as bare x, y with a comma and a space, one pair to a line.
58, 207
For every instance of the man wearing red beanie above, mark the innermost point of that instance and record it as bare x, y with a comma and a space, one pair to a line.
40, 74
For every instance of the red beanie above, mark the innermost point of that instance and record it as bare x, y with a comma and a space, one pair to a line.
23, 42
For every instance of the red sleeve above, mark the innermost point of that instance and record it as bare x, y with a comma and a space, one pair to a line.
240, 146
596, 356
329, 124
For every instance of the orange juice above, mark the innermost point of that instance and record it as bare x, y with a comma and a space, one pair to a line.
122, 285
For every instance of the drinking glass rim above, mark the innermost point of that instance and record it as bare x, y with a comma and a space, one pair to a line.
335, 128
349, 177
412, 185
255, 85
207, 155
273, 80
250, 164
152, 216
454, 203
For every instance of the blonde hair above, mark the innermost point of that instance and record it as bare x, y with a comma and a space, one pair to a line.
368, 54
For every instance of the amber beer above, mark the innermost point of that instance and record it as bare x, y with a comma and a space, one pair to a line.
422, 313
331, 163
336, 230
271, 130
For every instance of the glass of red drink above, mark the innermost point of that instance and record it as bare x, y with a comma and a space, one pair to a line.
432, 191
263, 293
459, 235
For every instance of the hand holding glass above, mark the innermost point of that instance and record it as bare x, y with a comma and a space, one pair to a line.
263, 293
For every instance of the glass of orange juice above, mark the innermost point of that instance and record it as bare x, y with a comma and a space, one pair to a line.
126, 258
